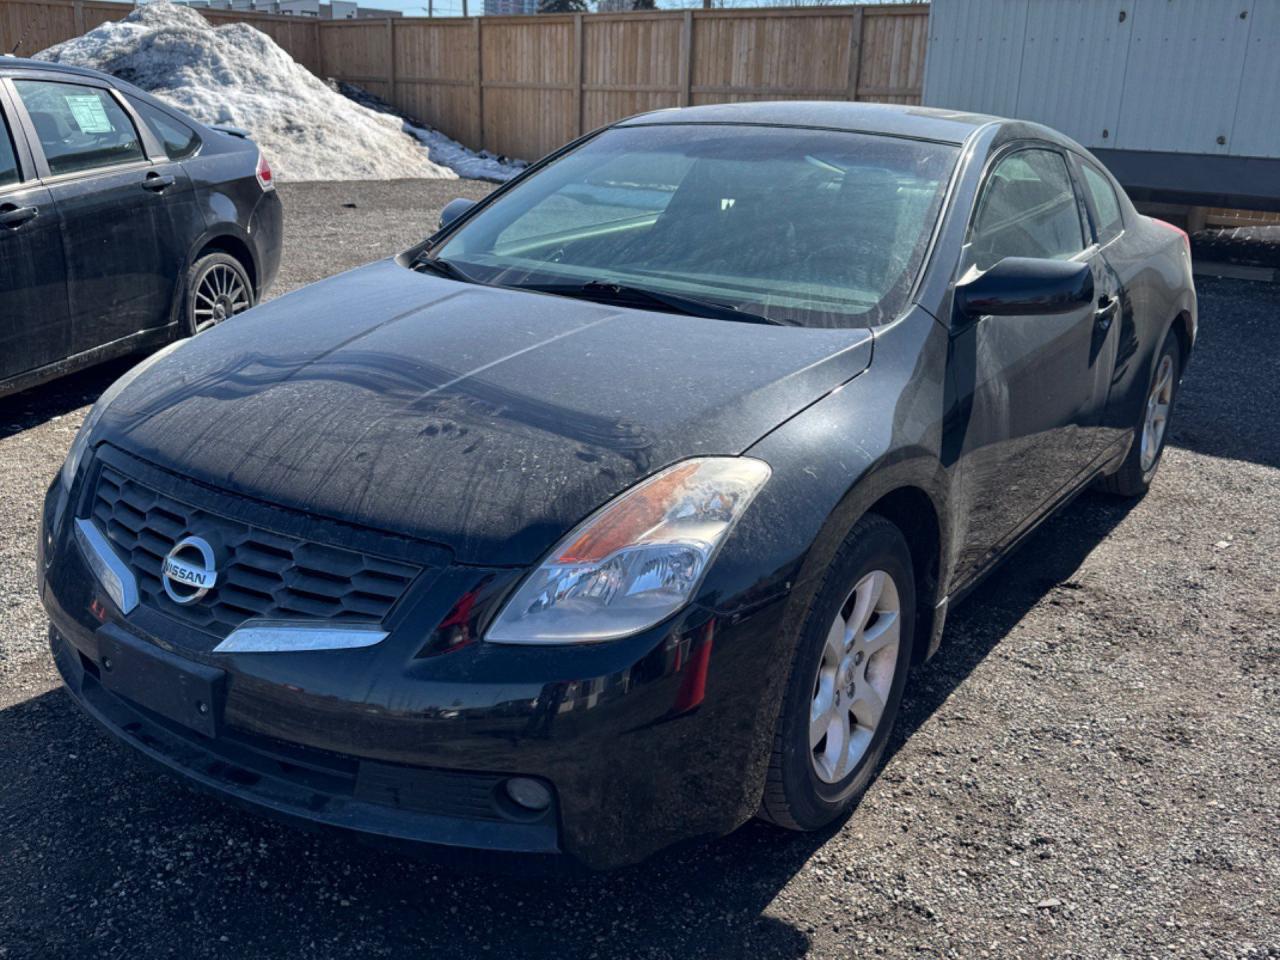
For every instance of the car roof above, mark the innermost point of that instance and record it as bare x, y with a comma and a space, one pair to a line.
18, 64
923, 123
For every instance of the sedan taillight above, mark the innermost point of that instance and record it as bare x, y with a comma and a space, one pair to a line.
1186, 239
263, 173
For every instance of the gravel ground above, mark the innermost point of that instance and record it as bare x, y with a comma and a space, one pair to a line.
1087, 769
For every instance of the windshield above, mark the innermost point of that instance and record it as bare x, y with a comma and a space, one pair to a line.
811, 227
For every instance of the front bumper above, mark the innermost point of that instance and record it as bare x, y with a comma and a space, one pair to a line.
645, 742
385, 801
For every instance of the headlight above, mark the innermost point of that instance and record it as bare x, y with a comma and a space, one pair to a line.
71, 466
636, 561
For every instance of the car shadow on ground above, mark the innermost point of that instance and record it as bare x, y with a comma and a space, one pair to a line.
1046, 562
31, 408
188, 856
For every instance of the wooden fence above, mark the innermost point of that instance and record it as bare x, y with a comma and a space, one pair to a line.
522, 86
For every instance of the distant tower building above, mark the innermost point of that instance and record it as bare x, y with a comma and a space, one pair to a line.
506, 8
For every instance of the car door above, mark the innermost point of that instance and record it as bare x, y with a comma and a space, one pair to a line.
34, 325
123, 262
1117, 268
1026, 390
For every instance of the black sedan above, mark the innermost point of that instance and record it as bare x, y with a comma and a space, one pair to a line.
615, 513
123, 223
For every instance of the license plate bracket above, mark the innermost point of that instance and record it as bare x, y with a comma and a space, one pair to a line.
182, 690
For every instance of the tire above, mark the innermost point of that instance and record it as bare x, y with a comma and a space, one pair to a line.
1134, 477
218, 287
809, 786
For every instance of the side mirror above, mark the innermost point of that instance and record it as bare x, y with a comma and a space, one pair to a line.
454, 209
1019, 286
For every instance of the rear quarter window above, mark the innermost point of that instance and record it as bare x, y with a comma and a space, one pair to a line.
180, 141
1105, 202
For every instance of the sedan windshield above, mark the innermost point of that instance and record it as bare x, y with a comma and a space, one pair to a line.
809, 227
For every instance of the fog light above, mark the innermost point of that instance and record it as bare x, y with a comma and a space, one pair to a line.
529, 794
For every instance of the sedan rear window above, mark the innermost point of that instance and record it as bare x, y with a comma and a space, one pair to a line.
811, 227
179, 140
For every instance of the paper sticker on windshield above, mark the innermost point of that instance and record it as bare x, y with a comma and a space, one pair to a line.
89, 113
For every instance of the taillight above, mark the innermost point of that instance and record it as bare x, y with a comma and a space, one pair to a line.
263, 173
1186, 239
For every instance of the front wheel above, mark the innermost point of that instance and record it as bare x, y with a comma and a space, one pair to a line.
1134, 477
846, 681
218, 287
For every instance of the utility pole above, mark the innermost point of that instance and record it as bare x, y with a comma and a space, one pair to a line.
464, 7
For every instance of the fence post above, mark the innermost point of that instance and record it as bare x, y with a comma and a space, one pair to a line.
78, 16
855, 53
391, 60
476, 30
578, 68
319, 32
686, 57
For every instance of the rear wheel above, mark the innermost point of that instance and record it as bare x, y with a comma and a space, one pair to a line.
846, 682
218, 287
1134, 477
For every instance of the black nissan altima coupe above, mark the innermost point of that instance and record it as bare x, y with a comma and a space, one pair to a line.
616, 512
123, 223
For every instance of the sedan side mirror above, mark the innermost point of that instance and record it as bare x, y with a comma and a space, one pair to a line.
454, 209
1020, 286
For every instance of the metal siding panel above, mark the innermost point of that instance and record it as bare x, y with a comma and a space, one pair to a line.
974, 60
1186, 58
1075, 57
1256, 131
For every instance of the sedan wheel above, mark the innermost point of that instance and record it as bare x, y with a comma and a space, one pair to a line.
855, 676
845, 682
1134, 476
218, 288
1158, 406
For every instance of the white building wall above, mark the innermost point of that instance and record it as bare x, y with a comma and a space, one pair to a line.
1163, 75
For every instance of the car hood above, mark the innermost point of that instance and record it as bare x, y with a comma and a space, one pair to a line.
486, 420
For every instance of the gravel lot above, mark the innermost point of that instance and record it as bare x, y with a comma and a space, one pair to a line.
1089, 768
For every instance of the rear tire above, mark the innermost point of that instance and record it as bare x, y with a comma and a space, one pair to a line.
846, 681
218, 287
1134, 477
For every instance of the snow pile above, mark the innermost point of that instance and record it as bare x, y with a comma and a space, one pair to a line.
466, 163
237, 75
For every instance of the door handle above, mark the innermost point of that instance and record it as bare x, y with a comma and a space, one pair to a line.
157, 182
1107, 307
14, 217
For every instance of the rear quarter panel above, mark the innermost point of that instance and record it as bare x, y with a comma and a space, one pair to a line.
1154, 270
230, 198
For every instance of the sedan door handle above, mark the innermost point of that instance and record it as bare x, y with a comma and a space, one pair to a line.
1107, 307
157, 182
14, 217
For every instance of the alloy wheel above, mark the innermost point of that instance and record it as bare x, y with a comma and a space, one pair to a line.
854, 677
1157, 415
220, 293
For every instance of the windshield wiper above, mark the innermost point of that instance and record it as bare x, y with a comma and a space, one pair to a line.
623, 294
442, 268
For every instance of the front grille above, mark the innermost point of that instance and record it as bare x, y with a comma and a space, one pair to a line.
261, 574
